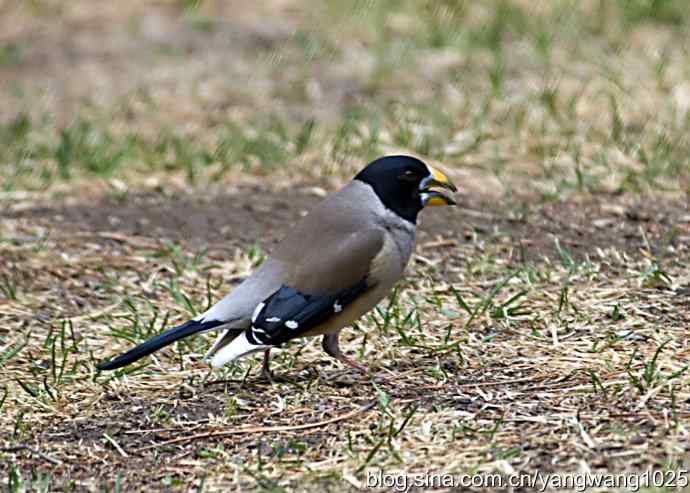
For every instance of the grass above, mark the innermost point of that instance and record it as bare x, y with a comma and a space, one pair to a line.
542, 325
532, 103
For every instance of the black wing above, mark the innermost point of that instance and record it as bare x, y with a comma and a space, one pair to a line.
287, 313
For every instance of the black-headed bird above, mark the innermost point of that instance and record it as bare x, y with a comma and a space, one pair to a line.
331, 268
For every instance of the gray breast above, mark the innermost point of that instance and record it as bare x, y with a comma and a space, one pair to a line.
401, 231
389, 265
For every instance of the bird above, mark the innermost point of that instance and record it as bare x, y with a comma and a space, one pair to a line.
331, 268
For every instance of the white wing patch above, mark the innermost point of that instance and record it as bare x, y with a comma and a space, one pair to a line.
291, 324
273, 319
337, 307
257, 310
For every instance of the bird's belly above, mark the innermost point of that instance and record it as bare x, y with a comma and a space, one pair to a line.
386, 269
351, 312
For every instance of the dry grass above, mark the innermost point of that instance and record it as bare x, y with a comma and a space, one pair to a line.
542, 325
554, 369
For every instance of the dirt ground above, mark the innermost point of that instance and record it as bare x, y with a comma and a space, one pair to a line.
225, 223
228, 221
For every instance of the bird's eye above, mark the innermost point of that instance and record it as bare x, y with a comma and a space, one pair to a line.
408, 175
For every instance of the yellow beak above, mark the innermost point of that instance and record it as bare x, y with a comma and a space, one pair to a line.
441, 180
432, 198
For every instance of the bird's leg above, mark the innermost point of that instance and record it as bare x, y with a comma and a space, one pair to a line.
332, 348
266, 365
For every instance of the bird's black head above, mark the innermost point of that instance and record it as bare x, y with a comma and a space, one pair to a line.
403, 183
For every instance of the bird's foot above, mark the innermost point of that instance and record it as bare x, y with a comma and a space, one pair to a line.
266, 366
353, 364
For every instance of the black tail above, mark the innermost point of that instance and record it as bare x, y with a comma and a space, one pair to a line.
161, 340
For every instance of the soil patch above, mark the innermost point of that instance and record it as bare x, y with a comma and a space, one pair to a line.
255, 215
